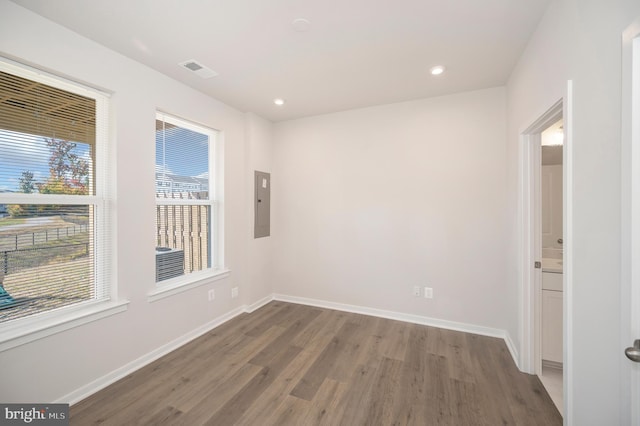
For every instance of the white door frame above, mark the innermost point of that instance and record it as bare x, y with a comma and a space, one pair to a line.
630, 184
531, 245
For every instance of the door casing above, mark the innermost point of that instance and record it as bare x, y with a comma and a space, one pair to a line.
531, 244
630, 235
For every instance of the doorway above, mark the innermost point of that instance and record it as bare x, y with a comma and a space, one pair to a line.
549, 210
544, 309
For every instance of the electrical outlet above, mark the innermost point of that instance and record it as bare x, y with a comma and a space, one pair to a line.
234, 292
428, 293
212, 295
416, 290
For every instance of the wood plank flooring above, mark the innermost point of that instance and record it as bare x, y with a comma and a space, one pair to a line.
288, 364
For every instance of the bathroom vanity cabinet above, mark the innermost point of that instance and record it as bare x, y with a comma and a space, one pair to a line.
552, 317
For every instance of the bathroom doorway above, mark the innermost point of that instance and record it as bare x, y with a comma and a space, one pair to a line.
550, 212
545, 316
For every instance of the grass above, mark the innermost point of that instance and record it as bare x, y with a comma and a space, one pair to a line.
6, 221
74, 247
46, 276
48, 287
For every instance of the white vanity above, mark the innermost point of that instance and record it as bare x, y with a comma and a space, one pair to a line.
552, 310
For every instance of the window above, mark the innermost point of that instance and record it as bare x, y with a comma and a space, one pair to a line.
186, 217
53, 224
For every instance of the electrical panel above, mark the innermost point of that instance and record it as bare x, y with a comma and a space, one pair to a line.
262, 204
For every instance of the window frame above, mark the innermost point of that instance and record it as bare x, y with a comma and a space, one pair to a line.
216, 270
26, 329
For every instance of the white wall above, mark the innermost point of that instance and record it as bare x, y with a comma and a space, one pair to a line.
50, 368
259, 137
581, 40
371, 202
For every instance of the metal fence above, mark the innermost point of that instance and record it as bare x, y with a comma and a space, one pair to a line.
22, 240
16, 260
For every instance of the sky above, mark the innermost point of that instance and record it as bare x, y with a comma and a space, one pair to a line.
21, 152
182, 152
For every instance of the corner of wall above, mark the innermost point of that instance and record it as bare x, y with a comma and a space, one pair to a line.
259, 154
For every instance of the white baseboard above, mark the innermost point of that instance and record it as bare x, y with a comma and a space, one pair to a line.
259, 304
110, 378
552, 364
512, 350
416, 319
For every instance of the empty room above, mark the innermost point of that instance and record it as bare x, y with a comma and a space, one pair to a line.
408, 212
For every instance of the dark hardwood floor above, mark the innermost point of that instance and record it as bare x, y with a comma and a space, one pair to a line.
288, 364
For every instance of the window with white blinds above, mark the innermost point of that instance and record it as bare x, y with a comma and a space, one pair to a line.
185, 199
53, 218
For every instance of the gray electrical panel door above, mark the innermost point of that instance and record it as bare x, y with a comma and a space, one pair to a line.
262, 204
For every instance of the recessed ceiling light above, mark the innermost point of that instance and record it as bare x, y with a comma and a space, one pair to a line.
301, 25
278, 101
437, 70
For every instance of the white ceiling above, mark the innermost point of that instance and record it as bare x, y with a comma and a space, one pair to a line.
356, 53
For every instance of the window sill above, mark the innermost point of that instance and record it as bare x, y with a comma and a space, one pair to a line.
178, 285
33, 328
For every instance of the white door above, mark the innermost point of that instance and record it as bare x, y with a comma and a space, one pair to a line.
631, 218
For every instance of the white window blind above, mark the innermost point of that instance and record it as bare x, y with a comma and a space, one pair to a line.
53, 217
185, 198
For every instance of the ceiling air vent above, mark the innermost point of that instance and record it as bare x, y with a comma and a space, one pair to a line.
198, 68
